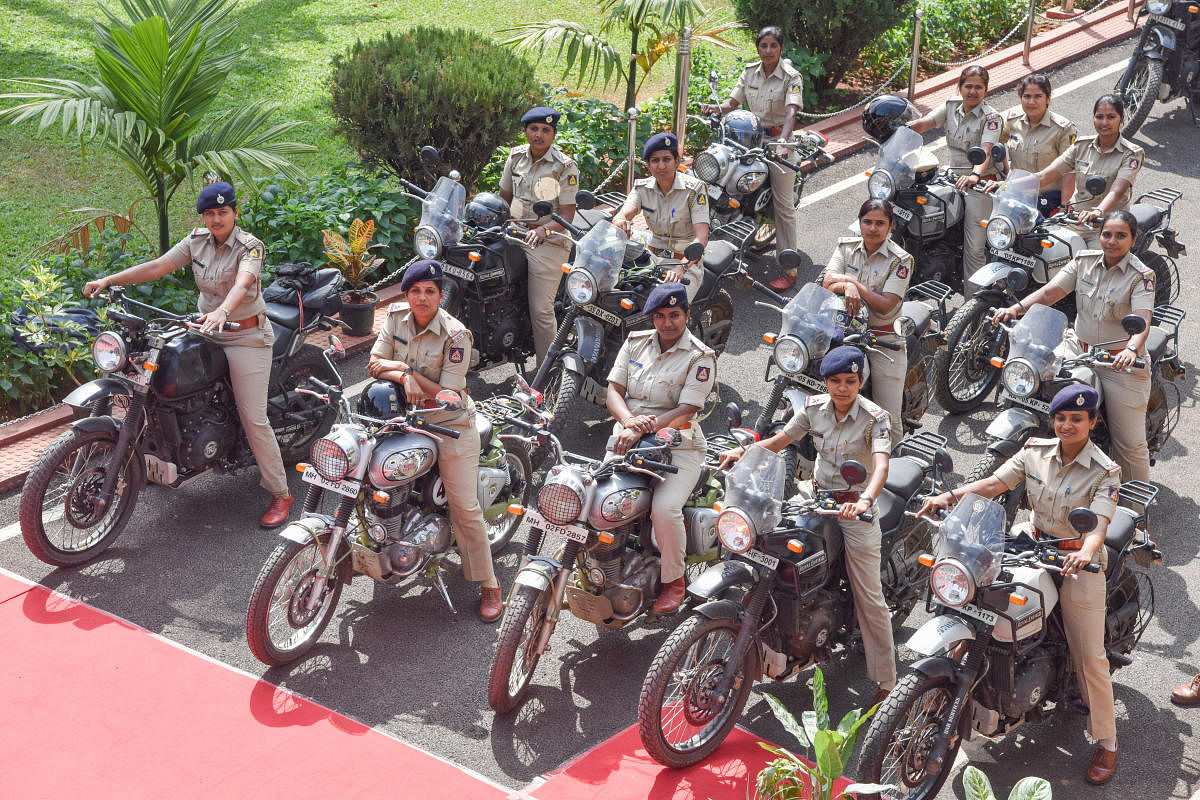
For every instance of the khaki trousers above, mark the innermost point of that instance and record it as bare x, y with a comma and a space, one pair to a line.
458, 463
545, 272
249, 356
787, 217
863, 556
1126, 398
887, 383
1083, 607
977, 207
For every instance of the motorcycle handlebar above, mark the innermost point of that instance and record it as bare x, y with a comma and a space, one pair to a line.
889, 345
568, 227
320, 384
420, 423
670, 469
412, 187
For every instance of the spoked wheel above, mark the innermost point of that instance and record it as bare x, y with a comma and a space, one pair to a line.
1162, 413
902, 733
516, 654
1140, 92
1166, 276
716, 321
295, 438
280, 625
1011, 500
498, 521
918, 383
562, 387
1131, 587
964, 375
62, 520
680, 720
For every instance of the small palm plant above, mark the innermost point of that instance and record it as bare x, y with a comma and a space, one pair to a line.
353, 256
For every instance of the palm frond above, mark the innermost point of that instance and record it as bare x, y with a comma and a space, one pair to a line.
583, 54
672, 14
214, 18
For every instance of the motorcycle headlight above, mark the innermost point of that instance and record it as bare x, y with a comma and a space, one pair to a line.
735, 531
108, 351
881, 184
1019, 378
1158, 6
427, 242
951, 583
581, 286
791, 354
751, 180
559, 503
706, 167
1000, 233
335, 455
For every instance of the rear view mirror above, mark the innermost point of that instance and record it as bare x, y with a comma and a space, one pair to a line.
694, 251
733, 416
853, 472
1133, 324
449, 400
1017, 280
430, 157
669, 437
1095, 185
789, 259
999, 153
943, 461
1083, 520
336, 348
585, 200
976, 155
542, 208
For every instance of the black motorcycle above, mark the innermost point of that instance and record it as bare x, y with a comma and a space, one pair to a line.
163, 412
1165, 63
780, 601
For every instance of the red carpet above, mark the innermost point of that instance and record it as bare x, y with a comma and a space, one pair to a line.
95, 707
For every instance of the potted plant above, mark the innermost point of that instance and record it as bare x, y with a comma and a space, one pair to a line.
353, 256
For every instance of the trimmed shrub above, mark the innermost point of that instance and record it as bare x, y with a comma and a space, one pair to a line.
950, 28
453, 89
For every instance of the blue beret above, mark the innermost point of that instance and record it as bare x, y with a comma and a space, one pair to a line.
1076, 397
842, 359
427, 270
661, 141
216, 195
542, 114
666, 295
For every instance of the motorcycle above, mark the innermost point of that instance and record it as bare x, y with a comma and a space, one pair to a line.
391, 519
781, 600
814, 321
163, 412
996, 653
1162, 67
1033, 373
607, 571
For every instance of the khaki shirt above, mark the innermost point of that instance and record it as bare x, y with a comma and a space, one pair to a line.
553, 177
216, 267
671, 216
1091, 480
887, 270
1085, 158
768, 96
656, 382
982, 127
440, 352
1035, 148
865, 430
1105, 295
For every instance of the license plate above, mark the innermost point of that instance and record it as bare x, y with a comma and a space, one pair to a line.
458, 272
348, 488
978, 613
759, 557
1170, 23
607, 316
809, 382
1031, 402
903, 214
1014, 257
713, 191
573, 532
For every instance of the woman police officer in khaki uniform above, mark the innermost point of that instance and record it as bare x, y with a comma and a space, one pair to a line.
660, 378
675, 207
426, 350
1109, 284
1060, 474
540, 171
845, 425
773, 90
874, 271
1036, 136
227, 263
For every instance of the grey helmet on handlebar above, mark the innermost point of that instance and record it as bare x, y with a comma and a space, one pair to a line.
743, 127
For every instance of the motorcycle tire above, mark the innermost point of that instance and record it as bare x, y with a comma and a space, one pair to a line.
562, 388
61, 488
679, 660
791, 463
1139, 89
964, 355
905, 718
519, 630
501, 531
1011, 500
714, 323
296, 440
272, 602
1166, 277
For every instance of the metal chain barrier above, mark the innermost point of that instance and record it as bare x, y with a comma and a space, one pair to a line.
1024, 19
862, 102
388, 279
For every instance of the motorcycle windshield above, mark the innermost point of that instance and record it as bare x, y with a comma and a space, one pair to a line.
973, 535
812, 317
1017, 200
601, 252
1034, 338
754, 485
442, 210
899, 156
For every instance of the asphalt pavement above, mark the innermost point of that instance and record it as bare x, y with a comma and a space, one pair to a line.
399, 660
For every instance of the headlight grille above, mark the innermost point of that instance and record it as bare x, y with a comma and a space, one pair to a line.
329, 459
706, 168
559, 504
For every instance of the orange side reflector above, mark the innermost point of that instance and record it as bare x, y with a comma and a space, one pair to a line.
301, 467
516, 509
734, 203
983, 223
922, 200
867, 173
1047, 244
380, 497
925, 560
605, 538
150, 366
473, 256
1194, 9
717, 507
626, 304
996, 361
566, 267
1018, 599
769, 338
795, 545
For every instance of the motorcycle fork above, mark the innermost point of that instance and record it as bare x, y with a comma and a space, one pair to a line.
336, 531
964, 678
558, 590
747, 631
556, 347
132, 422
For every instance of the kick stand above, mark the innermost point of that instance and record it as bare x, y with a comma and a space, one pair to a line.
434, 572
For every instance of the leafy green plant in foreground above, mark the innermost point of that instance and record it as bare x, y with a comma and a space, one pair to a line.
978, 787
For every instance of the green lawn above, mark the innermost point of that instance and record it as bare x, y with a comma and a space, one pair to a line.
290, 46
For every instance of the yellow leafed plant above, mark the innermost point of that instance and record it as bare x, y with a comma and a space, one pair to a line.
352, 255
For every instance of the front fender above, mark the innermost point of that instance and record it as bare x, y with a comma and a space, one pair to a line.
537, 574
713, 582
305, 530
1013, 423
589, 339
796, 399
721, 609
80, 400
936, 667
1159, 37
938, 634
99, 424
987, 277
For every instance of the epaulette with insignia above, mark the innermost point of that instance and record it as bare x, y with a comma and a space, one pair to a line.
1113, 468
396, 307
850, 240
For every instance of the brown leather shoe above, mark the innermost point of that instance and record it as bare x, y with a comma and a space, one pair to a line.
491, 603
669, 599
1188, 694
784, 282
277, 512
1103, 766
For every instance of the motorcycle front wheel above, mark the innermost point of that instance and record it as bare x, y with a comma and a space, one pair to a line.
562, 387
1140, 92
516, 653
295, 439
715, 320
901, 736
679, 720
280, 627
500, 523
61, 521
964, 374
1011, 500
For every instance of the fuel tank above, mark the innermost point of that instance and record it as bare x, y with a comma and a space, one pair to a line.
618, 499
187, 365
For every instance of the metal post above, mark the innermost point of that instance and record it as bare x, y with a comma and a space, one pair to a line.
1132, 3
683, 72
1029, 30
631, 163
916, 55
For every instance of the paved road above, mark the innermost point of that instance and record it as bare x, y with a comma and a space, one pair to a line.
399, 660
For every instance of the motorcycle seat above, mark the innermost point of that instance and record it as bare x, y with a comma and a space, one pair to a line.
718, 256
1147, 216
1156, 343
919, 313
483, 426
891, 510
905, 476
284, 315
1120, 533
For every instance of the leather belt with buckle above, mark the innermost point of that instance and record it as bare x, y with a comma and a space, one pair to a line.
247, 323
848, 496
1061, 544
778, 129
1110, 351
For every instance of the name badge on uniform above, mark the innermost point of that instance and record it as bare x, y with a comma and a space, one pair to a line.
456, 355
702, 373
199, 263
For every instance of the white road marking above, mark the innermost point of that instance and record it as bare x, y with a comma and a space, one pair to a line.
854, 180
10, 530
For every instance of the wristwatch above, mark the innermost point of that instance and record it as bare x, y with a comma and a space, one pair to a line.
870, 500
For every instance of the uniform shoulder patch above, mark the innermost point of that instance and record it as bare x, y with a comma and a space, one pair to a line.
702, 372
644, 181
397, 307
455, 356
1035, 442
878, 413
850, 240
520, 149
572, 180
199, 232
814, 399
993, 124
1113, 468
